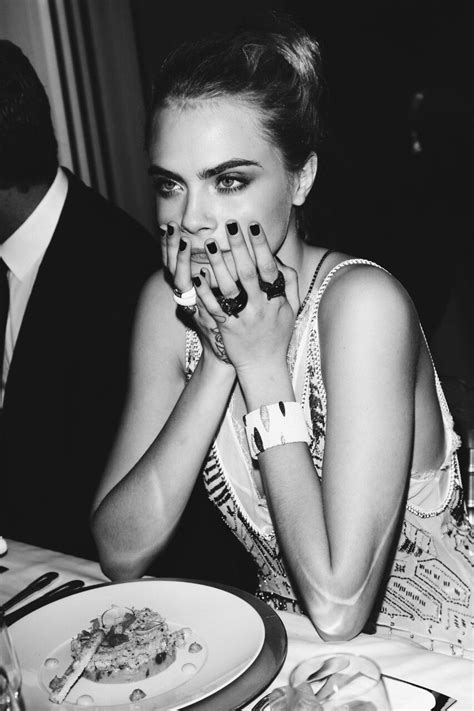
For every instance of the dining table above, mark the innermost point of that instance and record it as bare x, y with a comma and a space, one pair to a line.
399, 658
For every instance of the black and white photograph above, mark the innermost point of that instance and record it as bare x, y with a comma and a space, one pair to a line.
236, 355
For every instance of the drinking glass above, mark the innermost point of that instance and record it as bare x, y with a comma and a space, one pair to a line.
8, 700
341, 682
8, 658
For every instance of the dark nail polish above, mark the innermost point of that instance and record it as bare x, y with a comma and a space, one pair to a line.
255, 229
162, 231
232, 228
170, 230
203, 273
182, 245
196, 281
212, 247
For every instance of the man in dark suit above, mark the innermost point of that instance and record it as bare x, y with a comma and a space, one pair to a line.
72, 266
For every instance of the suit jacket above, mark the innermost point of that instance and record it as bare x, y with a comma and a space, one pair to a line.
68, 375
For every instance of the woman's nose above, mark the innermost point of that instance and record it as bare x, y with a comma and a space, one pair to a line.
198, 214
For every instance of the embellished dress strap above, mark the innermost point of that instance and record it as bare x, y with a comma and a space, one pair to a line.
314, 301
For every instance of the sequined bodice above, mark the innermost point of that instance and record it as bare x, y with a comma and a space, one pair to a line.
428, 595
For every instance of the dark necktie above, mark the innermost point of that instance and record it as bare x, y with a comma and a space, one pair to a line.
4, 306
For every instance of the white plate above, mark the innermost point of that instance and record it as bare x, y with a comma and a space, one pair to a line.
229, 630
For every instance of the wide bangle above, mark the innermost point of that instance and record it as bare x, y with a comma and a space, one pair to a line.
273, 425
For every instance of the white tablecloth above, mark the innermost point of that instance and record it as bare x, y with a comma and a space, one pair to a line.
396, 657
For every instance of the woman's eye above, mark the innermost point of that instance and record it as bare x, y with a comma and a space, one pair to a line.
165, 187
231, 183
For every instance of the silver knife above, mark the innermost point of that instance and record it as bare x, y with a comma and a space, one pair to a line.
31, 588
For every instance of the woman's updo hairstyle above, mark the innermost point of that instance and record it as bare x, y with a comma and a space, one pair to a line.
274, 66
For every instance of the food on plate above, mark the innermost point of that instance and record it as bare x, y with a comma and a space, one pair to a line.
60, 686
136, 695
123, 645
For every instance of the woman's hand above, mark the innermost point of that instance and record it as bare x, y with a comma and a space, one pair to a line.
259, 334
176, 255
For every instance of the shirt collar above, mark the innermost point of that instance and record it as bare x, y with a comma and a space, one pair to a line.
27, 245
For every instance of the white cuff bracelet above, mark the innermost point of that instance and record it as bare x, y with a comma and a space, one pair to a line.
187, 298
272, 425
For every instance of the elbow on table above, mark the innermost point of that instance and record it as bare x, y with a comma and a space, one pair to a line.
119, 570
116, 563
344, 634
336, 622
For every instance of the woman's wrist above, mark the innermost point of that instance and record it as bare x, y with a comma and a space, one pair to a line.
265, 385
217, 369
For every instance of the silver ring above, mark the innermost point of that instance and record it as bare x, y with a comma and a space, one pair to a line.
185, 298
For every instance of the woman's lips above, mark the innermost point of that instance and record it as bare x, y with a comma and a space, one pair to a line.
200, 255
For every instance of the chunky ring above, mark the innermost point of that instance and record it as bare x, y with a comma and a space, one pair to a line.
185, 298
274, 289
232, 306
189, 310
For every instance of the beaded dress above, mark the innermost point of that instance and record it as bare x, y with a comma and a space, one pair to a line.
428, 596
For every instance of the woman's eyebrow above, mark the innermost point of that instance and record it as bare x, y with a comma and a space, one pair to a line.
208, 172
227, 165
158, 170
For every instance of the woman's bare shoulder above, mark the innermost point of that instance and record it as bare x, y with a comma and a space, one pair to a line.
157, 298
364, 291
158, 324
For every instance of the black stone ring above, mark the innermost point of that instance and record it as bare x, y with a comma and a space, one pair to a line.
232, 306
274, 289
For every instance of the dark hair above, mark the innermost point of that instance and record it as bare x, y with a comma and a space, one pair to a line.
275, 65
28, 146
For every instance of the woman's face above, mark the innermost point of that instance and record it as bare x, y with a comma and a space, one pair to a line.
210, 164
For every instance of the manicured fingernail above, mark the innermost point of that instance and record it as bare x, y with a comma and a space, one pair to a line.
255, 229
232, 228
162, 231
203, 273
196, 281
212, 247
182, 245
170, 230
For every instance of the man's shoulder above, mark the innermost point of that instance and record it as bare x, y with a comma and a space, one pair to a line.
94, 218
91, 203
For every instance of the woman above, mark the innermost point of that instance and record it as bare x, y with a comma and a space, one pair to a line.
296, 380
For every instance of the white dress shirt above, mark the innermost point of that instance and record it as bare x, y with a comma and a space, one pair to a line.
23, 252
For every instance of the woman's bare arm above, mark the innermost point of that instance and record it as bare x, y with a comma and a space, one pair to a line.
163, 439
336, 535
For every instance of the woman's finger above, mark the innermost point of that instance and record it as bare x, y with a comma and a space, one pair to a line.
244, 261
265, 261
164, 245
225, 280
172, 246
291, 285
207, 299
182, 274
